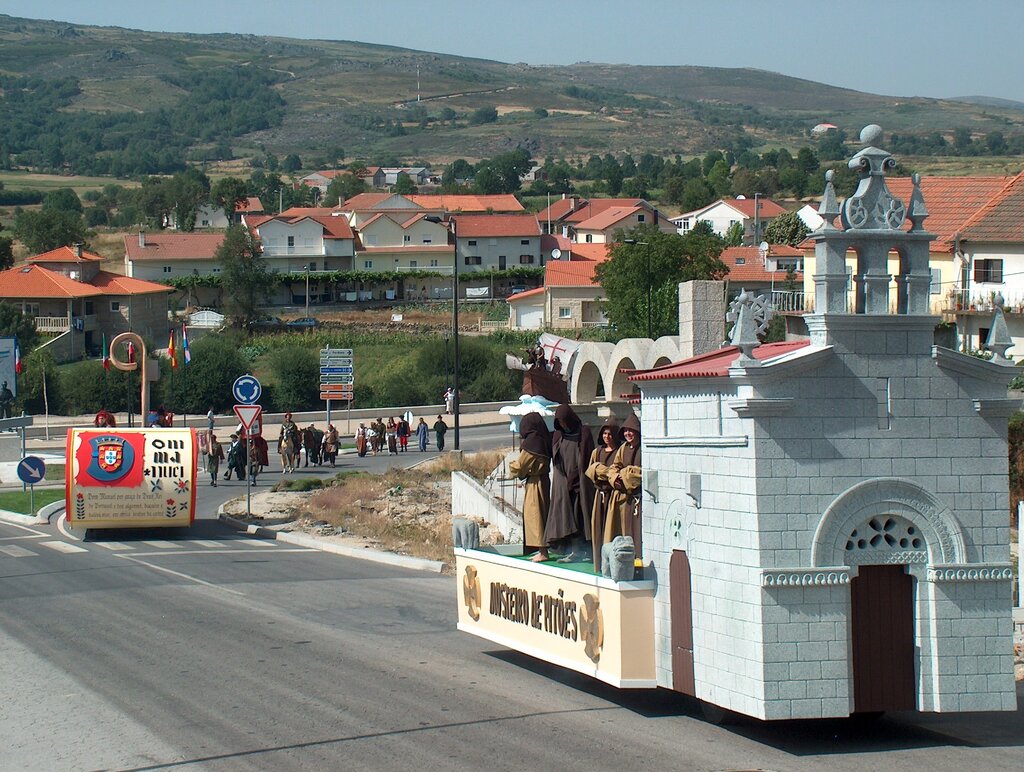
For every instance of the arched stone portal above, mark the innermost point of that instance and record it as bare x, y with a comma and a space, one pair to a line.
588, 384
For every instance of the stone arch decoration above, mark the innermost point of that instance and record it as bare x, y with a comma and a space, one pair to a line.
588, 384
864, 508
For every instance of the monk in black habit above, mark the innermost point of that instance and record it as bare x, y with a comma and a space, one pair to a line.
572, 493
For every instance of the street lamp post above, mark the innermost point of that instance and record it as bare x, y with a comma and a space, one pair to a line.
650, 281
307, 290
455, 319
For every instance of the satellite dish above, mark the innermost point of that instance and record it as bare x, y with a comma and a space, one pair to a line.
556, 253
763, 246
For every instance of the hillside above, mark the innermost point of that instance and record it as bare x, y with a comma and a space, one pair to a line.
142, 99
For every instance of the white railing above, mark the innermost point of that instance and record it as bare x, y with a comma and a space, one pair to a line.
51, 323
788, 300
595, 324
487, 324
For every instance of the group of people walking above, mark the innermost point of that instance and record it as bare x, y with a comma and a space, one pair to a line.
578, 496
392, 434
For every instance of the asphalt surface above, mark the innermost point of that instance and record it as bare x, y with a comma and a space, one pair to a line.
208, 649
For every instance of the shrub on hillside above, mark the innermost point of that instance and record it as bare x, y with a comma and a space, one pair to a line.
216, 362
296, 373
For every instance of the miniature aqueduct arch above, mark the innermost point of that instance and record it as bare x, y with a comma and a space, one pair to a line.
944, 538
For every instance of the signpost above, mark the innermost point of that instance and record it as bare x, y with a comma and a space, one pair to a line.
31, 470
247, 392
337, 377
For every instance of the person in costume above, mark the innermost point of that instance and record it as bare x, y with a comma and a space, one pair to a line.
597, 473
568, 526
625, 477
533, 466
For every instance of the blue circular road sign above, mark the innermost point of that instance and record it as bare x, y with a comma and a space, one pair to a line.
31, 470
247, 390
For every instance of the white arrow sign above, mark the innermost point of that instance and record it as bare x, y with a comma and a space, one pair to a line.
247, 415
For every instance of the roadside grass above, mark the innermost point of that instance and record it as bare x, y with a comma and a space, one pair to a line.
18, 501
55, 472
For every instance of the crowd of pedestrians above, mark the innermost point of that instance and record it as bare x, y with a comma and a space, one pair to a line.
391, 435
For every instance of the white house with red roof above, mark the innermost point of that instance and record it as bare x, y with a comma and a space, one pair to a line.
485, 242
595, 220
320, 239
727, 212
571, 296
776, 273
70, 296
165, 255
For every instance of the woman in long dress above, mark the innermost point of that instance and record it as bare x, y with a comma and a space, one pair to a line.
330, 444
625, 476
422, 435
533, 466
568, 526
597, 473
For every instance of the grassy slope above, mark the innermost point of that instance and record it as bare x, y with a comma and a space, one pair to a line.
327, 83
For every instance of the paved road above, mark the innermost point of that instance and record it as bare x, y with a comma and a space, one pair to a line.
210, 650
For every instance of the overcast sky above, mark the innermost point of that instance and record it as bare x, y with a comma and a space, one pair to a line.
933, 48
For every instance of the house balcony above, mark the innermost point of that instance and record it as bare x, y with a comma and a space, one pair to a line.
59, 324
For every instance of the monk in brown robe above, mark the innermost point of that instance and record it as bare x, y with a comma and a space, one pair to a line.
533, 466
568, 526
625, 477
597, 473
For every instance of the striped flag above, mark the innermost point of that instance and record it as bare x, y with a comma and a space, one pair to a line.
18, 366
186, 351
171, 353
131, 352
106, 353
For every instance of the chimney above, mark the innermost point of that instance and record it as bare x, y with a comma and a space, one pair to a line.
142, 239
78, 249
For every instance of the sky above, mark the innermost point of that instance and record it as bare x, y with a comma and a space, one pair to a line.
930, 48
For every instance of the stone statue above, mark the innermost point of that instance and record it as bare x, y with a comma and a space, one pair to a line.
465, 533
617, 559
6, 400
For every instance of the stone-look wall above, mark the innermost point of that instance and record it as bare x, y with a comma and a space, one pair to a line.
701, 317
874, 425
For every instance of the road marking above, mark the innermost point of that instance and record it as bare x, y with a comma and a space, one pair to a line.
215, 543
163, 545
180, 575
63, 546
225, 551
256, 542
114, 546
35, 533
14, 551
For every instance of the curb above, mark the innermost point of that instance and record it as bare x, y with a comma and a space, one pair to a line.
16, 518
300, 540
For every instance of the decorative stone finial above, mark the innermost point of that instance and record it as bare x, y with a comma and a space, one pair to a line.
750, 317
872, 206
999, 339
917, 211
829, 207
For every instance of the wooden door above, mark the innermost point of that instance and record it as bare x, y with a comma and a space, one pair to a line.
682, 623
882, 620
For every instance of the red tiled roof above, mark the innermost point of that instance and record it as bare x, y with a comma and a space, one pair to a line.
505, 202
251, 204
746, 205
524, 295
595, 206
116, 284
714, 364
549, 241
752, 268
607, 218
497, 225
34, 281
65, 255
294, 212
570, 273
173, 246
586, 251
364, 201
557, 210
335, 226
1000, 219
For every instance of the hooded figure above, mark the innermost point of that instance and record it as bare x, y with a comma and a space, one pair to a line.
597, 473
625, 477
572, 494
532, 466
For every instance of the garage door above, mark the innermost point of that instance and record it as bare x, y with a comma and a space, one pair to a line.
530, 318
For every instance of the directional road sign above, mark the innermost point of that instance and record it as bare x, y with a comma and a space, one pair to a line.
335, 371
248, 415
336, 362
339, 379
335, 352
247, 390
31, 470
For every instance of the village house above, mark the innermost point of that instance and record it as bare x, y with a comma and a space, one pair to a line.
753, 214
776, 273
71, 298
595, 220
571, 296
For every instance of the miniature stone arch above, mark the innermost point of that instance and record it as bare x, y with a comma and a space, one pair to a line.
887, 520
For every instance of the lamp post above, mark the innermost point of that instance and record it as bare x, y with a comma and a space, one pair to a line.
307, 290
455, 318
650, 282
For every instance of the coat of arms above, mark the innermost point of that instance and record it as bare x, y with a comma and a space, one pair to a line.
111, 458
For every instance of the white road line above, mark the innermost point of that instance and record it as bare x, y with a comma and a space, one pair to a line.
36, 533
162, 544
215, 543
14, 551
227, 551
63, 546
114, 546
180, 575
256, 542
23, 538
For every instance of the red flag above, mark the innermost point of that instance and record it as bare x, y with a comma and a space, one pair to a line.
131, 352
171, 353
18, 366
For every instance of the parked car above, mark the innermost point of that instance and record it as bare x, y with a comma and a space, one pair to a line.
268, 323
304, 323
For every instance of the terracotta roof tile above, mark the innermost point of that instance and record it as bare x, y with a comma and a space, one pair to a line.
559, 209
116, 284
496, 225
745, 263
951, 202
570, 273
1000, 219
65, 255
607, 218
595, 206
34, 281
173, 246
524, 295
714, 364
251, 204
746, 205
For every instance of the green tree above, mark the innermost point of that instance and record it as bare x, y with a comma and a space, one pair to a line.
718, 178
14, 324
734, 236
291, 163
6, 252
483, 115
227, 192
244, 276
343, 187
217, 361
404, 185
296, 373
696, 194
63, 199
648, 264
43, 230
787, 228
